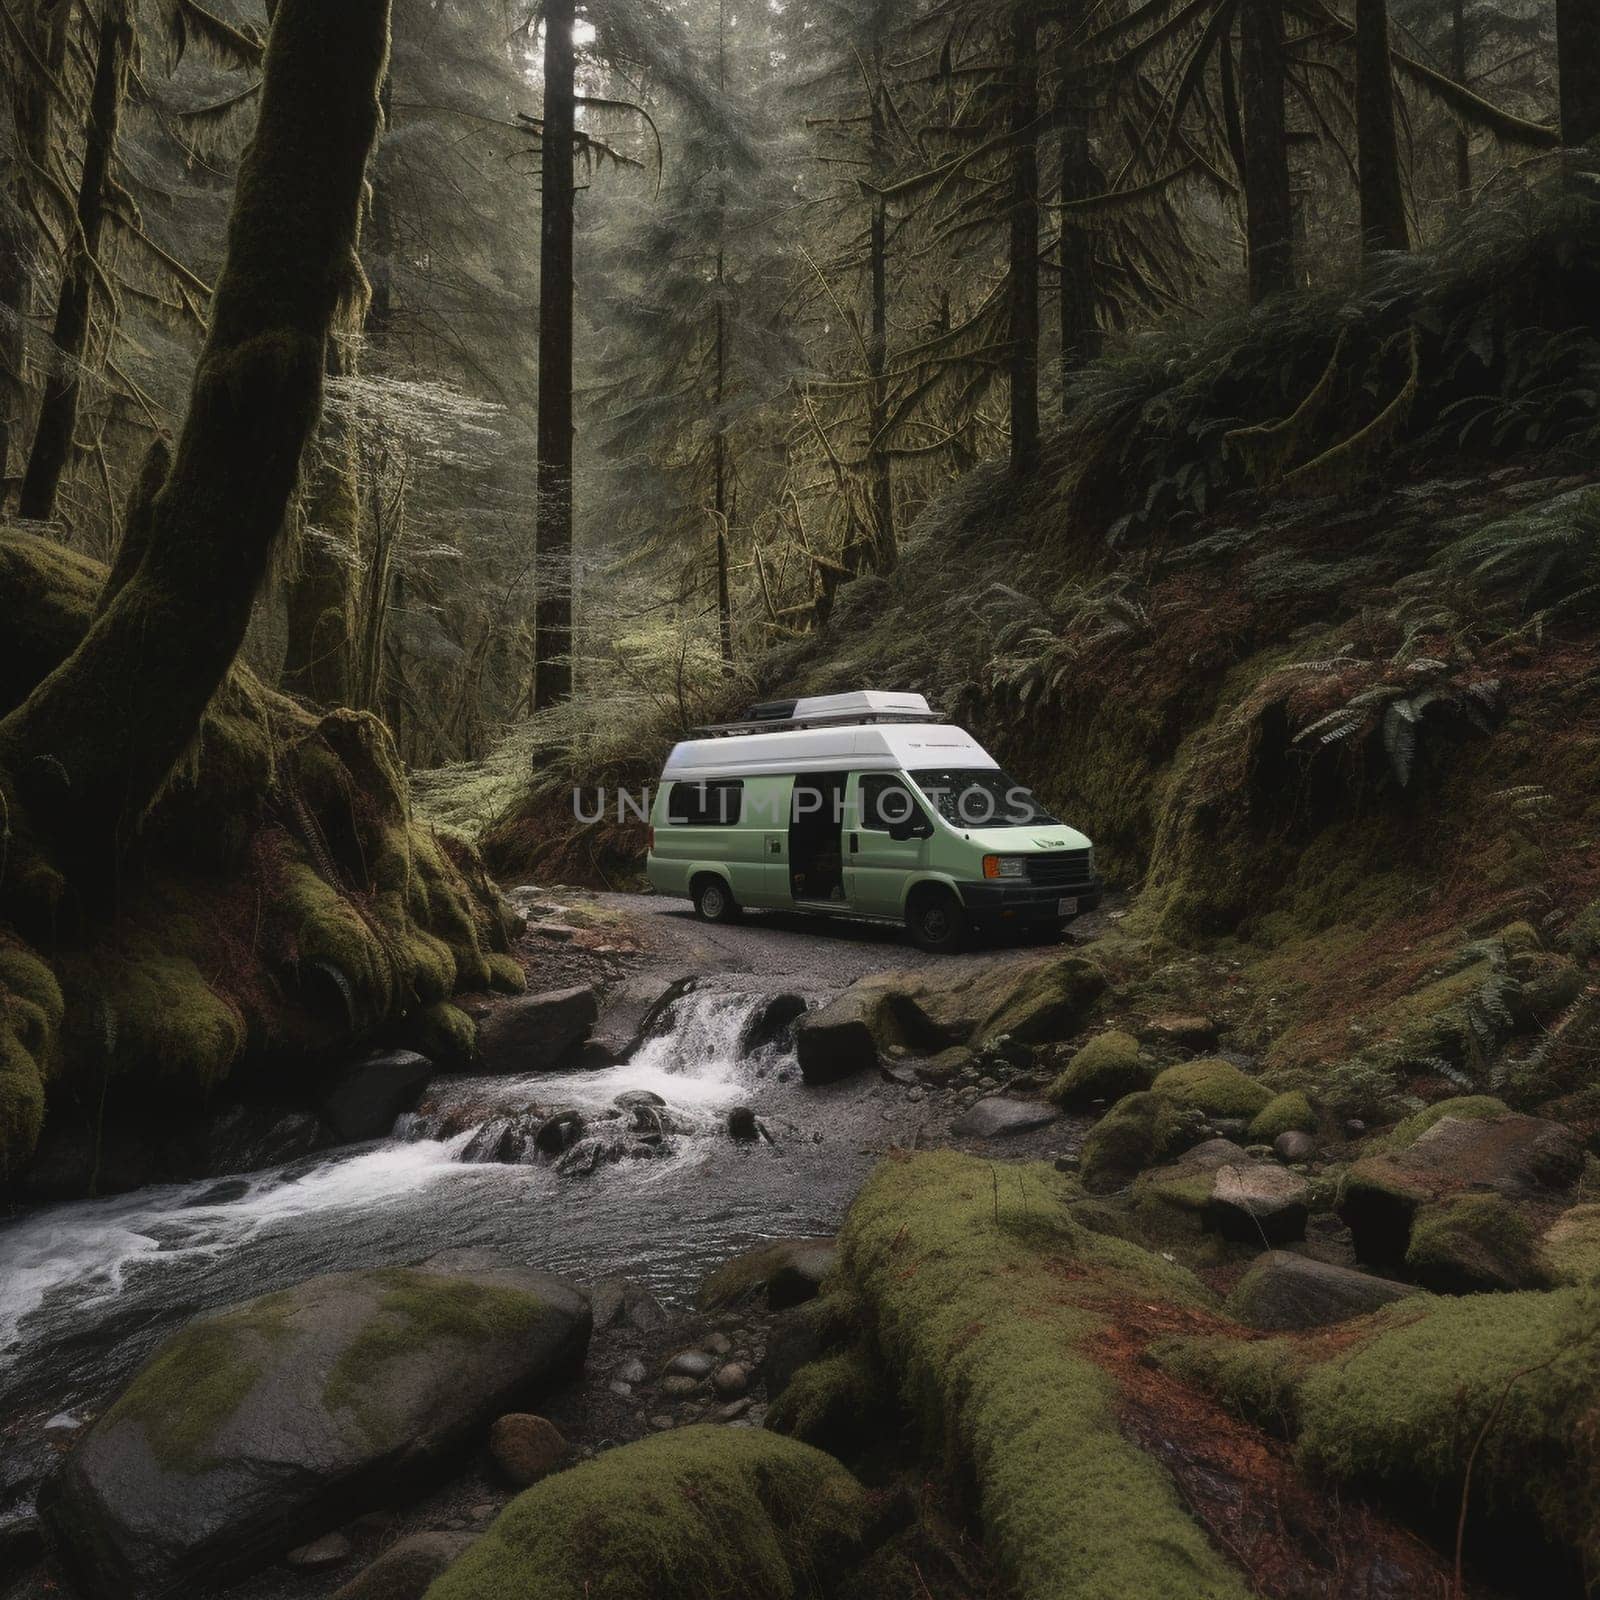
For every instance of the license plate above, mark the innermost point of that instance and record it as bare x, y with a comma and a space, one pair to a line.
1067, 908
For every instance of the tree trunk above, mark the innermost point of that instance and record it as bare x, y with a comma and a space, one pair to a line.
1024, 265
1459, 58
1081, 338
58, 413
94, 744
1578, 51
14, 302
1383, 200
880, 465
1267, 200
719, 449
318, 599
552, 647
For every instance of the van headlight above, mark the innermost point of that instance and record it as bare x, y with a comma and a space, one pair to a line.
1005, 866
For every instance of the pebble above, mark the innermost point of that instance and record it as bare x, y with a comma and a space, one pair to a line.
691, 1364
617, 1387
915, 1097
633, 1371
485, 1512
328, 1551
719, 1344
733, 1410
679, 1384
527, 1448
731, 1381
662, 1423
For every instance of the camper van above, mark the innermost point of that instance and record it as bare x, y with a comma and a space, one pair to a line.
863, 805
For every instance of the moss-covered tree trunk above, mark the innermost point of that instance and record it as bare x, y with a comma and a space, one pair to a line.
319, 605
14, 298
1268, 202
83, 757
1023, 295
552, 643
1578, 46
1383, 199
58, 412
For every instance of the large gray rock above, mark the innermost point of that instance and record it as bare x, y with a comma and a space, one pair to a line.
1283, 1292
998, 1116
538, 1031
1529, 1162
777, 1017
265, 1425
1258, 1202
362, 1100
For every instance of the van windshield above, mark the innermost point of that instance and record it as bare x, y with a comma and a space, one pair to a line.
980, 797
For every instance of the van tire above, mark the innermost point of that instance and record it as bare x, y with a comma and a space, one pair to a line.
713, 899
936, 921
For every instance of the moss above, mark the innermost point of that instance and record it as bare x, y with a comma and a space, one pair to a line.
835, 1403
1217, 1088
420, 1308
1046, 1000
1471, 1108
983, 1293
184, 1396
701, 1513
1137, 1132
1106, 1068
1513, 1376
31, 1013
1290, 1112
446, 1035
506, 975
1475, 1242
1570, 1247
741, 1278
1256, 1379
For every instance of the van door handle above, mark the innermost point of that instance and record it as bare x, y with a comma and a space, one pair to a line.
855, 844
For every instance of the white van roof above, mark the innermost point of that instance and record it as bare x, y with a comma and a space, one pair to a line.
877, 747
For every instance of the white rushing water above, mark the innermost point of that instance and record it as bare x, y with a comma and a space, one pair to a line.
149, 1259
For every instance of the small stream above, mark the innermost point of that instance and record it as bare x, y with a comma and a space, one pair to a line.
88, 1288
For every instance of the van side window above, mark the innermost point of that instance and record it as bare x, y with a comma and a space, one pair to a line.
884, 802
717, 804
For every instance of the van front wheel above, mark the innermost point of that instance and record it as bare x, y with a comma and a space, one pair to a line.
713, 901
936, 922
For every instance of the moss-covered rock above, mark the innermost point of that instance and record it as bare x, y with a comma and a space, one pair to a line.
1569, 1249
257, 1428
982, 1300
837, 1403
1215, 1087
1139, 1131
1290, 1112
1474, 1243
1108, 1067
1285, 1292
1404, 1134
1398, 1404
699, 1514
785, 1273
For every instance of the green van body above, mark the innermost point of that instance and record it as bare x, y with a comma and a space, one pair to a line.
725, 824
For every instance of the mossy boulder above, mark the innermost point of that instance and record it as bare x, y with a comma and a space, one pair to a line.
1401, 1401
1570, 1247
260, 1427
701, 1513
1527, 1160
984, 1305
1108, 1067
1215, 1087
1139, 1131
1468, 1108
837, 1403
1474, 1243
1290, 1112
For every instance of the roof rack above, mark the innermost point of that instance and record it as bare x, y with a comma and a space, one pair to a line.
834, 719
859, 708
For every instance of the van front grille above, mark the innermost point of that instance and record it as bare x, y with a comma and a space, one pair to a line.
1062, 868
